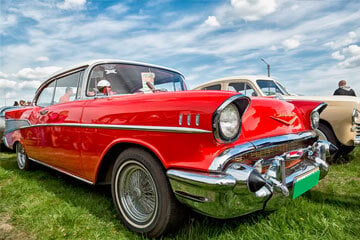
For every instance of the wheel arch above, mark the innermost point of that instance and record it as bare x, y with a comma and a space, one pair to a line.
104, 169
327, 124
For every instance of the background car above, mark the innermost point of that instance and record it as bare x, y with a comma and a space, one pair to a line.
2, 124
339, 122
133, 125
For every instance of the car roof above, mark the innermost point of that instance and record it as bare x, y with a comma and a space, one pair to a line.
252, 78
101, 61
91, 63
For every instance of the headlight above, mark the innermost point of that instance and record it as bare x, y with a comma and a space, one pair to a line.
355, 116
315, 119
229, 122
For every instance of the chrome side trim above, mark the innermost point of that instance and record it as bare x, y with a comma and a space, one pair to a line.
180, 119
221, 160
197, 120
62, 171
124, 127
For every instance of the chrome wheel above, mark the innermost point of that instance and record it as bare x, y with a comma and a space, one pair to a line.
21, 156
136, 193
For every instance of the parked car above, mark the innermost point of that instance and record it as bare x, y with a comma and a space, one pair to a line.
339, 122
2, 124
134, 126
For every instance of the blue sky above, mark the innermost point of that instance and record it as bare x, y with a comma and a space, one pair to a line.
310, 44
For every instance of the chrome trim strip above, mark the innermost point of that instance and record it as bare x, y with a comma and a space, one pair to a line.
62, 171
125, 127
197, 120
221, 160
189, 119
180, 119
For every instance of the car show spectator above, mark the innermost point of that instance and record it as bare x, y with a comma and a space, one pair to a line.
344, 90
67, 95
16, 103
22, 103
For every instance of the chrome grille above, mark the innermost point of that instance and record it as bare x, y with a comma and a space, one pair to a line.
357, 129
266, 153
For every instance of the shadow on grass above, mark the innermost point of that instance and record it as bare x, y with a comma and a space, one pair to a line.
346, 202
74, 192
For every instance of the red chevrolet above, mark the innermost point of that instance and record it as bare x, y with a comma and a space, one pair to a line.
162, 148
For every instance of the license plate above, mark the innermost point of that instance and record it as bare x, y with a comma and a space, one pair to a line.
305, 182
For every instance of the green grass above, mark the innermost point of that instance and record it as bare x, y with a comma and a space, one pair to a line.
43, 204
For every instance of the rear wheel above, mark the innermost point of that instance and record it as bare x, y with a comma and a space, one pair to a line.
142, 194
22, 158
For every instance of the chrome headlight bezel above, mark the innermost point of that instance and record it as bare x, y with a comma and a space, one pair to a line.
315, 120
229, 122
315, 116
235, 106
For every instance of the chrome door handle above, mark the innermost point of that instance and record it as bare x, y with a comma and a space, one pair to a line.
43, 112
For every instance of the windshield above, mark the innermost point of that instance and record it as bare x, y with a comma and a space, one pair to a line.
129, 79
270, 88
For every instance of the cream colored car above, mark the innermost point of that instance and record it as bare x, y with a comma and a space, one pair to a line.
339, 122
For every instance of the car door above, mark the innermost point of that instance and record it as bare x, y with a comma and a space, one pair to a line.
58, 125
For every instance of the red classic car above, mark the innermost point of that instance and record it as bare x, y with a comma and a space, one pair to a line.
134, 126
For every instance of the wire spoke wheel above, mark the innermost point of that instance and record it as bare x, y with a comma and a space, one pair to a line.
21, 156
137, 193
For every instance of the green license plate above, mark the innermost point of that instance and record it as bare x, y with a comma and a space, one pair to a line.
305, 182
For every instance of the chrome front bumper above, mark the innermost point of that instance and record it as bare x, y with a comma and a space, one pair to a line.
240, 189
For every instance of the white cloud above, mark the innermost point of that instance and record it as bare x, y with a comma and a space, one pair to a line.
3, 75
291, 43
42, 59
252, 10
337, 55
352, 50
72, 4
212, 21
29, 84
4, 84
344, 41
7, 21
37, 73
353, 54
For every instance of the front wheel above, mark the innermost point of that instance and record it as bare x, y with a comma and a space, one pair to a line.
142, 194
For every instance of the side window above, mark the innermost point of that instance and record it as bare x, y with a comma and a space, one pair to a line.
237, 87
46, 96
66, 88
243, 88
213, 87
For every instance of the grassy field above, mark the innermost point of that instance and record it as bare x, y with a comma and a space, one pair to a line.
43, 204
